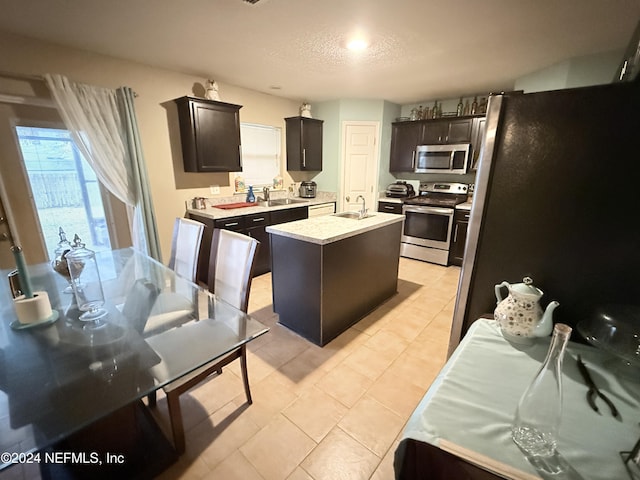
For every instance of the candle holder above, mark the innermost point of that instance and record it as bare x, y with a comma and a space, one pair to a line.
34, 311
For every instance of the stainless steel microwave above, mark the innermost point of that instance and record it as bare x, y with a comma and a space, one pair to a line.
452, 158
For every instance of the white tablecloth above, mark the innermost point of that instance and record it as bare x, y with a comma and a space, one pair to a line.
472, 402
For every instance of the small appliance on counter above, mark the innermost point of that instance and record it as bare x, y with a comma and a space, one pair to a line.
198, 203
400, 189
308, 189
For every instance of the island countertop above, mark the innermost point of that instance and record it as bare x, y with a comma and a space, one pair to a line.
330, 228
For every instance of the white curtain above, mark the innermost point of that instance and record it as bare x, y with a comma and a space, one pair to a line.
94, 118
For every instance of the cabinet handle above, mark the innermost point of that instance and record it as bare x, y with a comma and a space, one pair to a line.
467, 215
413, 159
304, 157
387, 207
455, 234
232, 224
240, 151
258, 219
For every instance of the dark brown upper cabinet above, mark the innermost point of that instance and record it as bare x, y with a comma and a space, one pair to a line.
304, 144
405, 137
210, 135
445, 131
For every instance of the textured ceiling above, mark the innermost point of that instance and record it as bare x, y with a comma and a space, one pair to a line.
420, 49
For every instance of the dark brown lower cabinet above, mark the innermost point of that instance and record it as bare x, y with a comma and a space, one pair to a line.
289, 215
459, 237
320, 290
390, 207
253, 225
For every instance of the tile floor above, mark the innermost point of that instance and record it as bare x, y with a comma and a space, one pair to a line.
318, 413
321, 413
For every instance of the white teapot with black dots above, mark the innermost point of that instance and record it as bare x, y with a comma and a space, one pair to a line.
520, 316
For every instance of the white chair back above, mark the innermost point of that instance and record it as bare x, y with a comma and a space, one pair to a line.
232, 259
185, 247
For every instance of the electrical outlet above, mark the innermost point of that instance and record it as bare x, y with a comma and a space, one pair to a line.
214, 189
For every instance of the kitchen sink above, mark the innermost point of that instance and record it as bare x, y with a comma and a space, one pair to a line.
284, 201
353, 215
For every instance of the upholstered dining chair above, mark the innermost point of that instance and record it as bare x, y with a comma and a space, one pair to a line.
231, 266
172, 307
185, 247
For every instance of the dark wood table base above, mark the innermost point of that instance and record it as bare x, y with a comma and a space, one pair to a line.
426, 462
129, 435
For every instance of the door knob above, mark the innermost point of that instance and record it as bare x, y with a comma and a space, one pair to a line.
348, 198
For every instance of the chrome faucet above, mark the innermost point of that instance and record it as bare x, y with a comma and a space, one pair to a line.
363, 212
265, 193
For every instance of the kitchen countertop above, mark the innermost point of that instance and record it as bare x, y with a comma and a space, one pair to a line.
464, 206
219, 213
330, 228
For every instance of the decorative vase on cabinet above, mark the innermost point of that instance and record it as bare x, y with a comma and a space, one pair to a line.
210, 135
304, 144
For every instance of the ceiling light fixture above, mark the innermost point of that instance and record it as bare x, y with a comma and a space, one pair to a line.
357, 44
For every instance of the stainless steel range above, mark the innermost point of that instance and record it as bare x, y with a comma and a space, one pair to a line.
429, 221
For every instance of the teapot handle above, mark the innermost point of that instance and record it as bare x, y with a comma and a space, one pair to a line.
498, 292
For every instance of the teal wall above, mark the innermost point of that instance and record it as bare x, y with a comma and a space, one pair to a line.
328, 180
595, 69
390, 111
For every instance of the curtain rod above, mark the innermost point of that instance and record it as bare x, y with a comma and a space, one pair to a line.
21, 76
31, 78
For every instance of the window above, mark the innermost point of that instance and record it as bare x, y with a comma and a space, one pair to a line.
260, 154
65, 189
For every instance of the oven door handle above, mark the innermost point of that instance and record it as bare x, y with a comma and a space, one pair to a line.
436, 210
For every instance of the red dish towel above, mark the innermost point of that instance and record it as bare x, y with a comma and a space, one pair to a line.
229, 206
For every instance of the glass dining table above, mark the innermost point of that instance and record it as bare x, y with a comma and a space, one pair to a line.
63, 375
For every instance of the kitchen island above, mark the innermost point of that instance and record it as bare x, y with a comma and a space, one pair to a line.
329, 272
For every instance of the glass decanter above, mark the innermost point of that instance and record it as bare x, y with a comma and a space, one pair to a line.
537, 420
86, 282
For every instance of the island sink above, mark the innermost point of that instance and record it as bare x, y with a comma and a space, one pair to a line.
354, 215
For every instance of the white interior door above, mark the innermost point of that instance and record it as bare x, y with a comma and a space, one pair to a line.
360, 164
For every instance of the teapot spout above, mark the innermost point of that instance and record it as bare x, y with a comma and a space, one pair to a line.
545, 326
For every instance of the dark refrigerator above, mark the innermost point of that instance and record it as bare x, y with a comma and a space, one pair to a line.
556, 199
